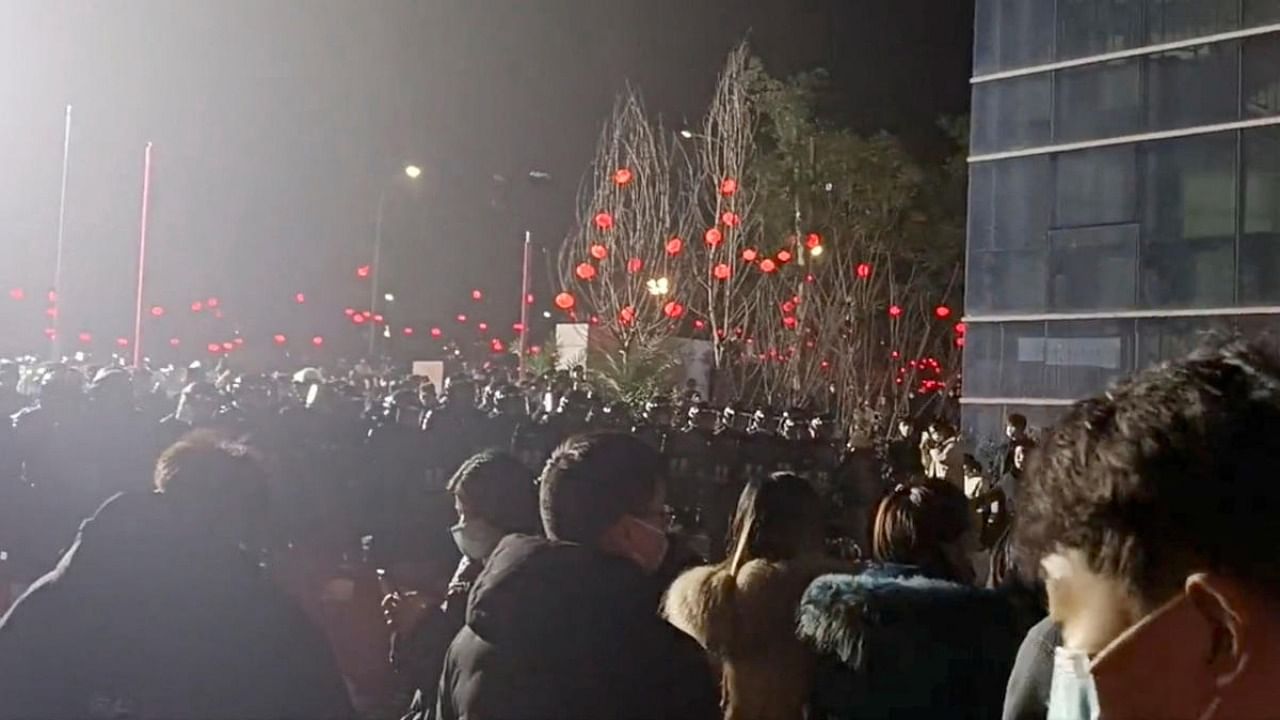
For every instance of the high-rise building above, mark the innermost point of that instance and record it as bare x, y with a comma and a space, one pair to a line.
1124, 192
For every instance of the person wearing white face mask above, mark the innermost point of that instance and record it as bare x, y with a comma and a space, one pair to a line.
1153, 512
495, 496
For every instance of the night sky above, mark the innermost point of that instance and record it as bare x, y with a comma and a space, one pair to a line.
276, 124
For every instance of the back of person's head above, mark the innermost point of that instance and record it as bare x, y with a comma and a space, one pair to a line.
1018, 422
496, 487
778, 518
925, 524
592, 481
1169, 473
207, 476
971, 465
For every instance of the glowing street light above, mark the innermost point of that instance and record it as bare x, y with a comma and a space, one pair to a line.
413, 171
389, 297
815, 251
687, 134
658, 286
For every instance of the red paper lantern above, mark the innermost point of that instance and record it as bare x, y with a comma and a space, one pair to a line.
961, 328
51, 312
784, 256
407, 332
604, 221
789, 321
379, 319
674, 246
713, 237
86, 338
517, 327
673, 309
585, 271
358, 318
280, 339
157, 311
496, 345
318, 341
722, 271
767, 265
17, 294
349, 312
477, 295
895, 311
750, 254
599, 252
810, 279
300, 298
122, 342
197, 306
812, 240
212, 302
699, 325
565, 301
228, 346
528, 299
214, 348
959, 342
627, 315
728, 186
730, 218
635, 265
788, 307
461, 317
52, 296
942, 311
363, 271
482, 327
436, 333
863, 271
595, 319
622, 176
174, 342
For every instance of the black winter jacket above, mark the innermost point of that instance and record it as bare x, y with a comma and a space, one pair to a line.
561, 631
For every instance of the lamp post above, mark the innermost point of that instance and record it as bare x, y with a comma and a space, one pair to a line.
413, 172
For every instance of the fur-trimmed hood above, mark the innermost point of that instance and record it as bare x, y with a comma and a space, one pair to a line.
902, 645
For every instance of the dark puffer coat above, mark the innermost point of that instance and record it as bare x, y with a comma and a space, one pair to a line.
556, 630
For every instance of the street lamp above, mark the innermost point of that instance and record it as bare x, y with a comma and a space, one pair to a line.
687, 134
413, 172
389, 297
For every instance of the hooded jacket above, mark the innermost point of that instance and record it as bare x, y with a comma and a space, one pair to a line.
146, 617
558, 630
898, 645
748, 623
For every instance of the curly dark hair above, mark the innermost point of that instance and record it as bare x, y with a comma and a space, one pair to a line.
1169, 473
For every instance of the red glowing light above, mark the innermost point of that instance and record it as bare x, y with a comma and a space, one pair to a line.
961, 328
318, 340
604, 221
789, 321
17, 294
122, 342
674, 246
713, 237
363, 271
483, 327
379, 319
960, 342
673, 309
50, 333
730, 219
942, 311
784, 256
228, 346
722, 271
197, 306
86, 338
349, 312
535, 349
635, 265
699, 325
788, 307
212, 302
728, 186
496, 345
863, 270
824, 364
895, 354
408, 332
53, 296
750, 254
812, 240
622, 176
599, 252
51, 312
895, 311
768, 265
565, 301
461, 317
280, 339
436, 333
174, 342
585, 271
627, 315
300, 298
809, 278
517, 327
214, 348
477, 295
528, 299
157, 311
358, 318
367, 315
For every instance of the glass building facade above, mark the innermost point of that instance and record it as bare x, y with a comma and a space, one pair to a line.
1124, 192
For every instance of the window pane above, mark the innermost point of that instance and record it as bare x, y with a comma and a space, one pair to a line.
1011, 114
982, 195
1261, 12
1022, 203
1096, 187
1170, 20
1093, 268
1196, 274
1261, 80
982, 360
1005, 281
1172, 338
1012, 34
1023, 360
1207, 73
1098, 101
1260, 239
1083, 357
1093, 27
1189, 189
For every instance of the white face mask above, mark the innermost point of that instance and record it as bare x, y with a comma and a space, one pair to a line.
1073, 695
476, 538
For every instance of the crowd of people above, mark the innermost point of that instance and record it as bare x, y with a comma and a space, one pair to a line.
312, 547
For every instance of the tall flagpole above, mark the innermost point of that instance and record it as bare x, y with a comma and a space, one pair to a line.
142, 257
524, 303
56, 338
